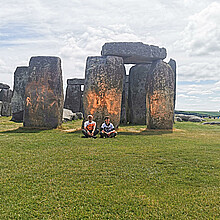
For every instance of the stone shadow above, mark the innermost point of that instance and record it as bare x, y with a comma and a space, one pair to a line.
23, 130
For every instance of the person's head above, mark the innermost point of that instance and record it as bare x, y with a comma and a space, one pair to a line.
107, 120
90, 117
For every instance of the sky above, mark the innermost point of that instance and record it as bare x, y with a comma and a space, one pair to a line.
76, 29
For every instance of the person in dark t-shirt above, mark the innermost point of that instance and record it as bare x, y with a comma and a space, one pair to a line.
107, 129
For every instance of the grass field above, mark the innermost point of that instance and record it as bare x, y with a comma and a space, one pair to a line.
56, 174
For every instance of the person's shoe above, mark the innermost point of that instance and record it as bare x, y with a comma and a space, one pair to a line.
94, 137
84, 137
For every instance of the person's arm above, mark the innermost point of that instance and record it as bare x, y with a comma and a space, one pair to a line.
94, 129
112, 129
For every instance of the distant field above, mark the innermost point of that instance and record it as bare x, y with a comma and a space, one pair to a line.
199, 113
141, 174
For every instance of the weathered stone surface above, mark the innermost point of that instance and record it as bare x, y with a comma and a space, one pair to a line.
184, 117
134, 52
160, 96
103, 88
18, 97
5, 97
73, 98
195, 119
44, 93
4, 86
172, 64
1, 104
124, 101
138, 77
75, 81
178, 119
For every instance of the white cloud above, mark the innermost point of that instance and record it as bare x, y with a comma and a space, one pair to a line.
202, 34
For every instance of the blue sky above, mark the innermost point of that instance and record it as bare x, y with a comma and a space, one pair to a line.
75, 29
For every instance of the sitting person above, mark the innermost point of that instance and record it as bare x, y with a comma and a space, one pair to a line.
107, 129
90, 129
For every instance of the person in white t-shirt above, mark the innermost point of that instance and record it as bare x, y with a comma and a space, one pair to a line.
90, 129
107, 129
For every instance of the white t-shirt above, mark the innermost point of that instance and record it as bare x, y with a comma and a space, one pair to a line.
107, 128
90, 125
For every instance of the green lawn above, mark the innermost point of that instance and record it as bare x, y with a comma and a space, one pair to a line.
56, 174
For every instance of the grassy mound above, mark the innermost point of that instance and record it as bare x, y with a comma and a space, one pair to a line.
141, 174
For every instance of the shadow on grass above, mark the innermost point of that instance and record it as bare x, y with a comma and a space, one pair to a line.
146, 132
141, 132
23, 130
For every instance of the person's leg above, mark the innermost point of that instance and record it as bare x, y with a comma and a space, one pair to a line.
113, 134
85, 133
96, 132
102, 134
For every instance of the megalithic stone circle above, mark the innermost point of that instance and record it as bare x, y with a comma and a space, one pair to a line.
18, 97
160, 96
134, 52
138, 78
44, 93
103, 88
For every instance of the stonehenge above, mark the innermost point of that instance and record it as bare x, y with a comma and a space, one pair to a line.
44, 93
144, 97
150, 91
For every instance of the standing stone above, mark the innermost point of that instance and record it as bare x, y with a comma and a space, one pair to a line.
138, 77
73, 99
160, 96
172, 63
103, 88
1, 104
134, 52
18, 97
44, 93
5, 97
124, 101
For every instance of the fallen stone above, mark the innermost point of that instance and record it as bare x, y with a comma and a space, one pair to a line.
212, 123
178, 119
103, 88
68, 115
160, 96
195, 119
44, 93
134, 52
18, 97
138, 77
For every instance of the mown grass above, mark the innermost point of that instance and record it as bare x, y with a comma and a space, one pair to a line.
141, 174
